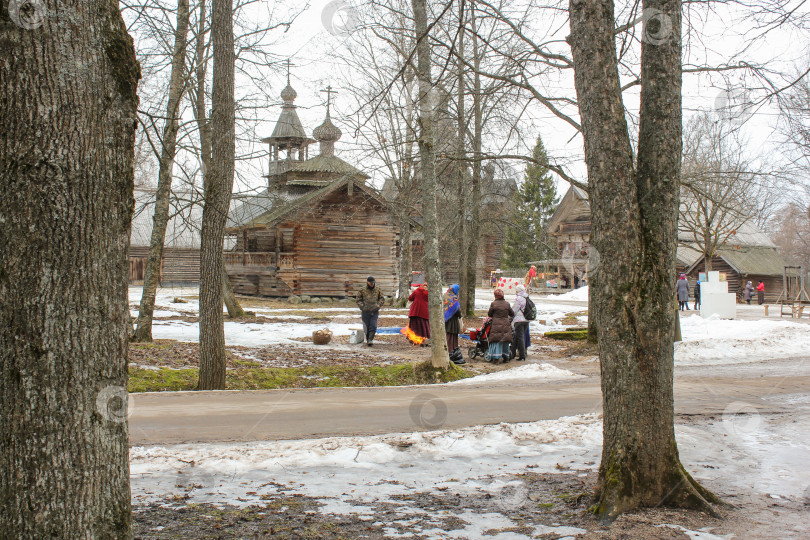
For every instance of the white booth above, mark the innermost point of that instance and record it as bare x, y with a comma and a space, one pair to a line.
715, 298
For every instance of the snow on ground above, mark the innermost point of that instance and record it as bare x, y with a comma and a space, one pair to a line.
352, 473
742, 454
250, 334
711, 341
526, 372
719, 341
577, 295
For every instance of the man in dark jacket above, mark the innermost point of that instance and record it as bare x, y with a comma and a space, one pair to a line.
370, 300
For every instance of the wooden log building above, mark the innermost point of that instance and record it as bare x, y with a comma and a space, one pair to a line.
180, 264
317, 229
749, 255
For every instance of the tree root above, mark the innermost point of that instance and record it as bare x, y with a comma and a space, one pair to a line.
612, 499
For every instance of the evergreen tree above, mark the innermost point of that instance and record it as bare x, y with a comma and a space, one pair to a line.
534, 203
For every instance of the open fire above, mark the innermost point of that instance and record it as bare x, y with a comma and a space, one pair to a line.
412, 337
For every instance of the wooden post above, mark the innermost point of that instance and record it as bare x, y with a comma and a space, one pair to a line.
766, 310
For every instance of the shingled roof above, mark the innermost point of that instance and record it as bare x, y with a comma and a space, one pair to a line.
328, 164
261, 211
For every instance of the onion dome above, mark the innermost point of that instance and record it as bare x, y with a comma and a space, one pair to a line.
327, 132
288, 94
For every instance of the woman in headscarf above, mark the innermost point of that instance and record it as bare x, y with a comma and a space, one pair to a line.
683, 293
749, 293
760, 292
520, 323
500, 335
452, 318
419, 314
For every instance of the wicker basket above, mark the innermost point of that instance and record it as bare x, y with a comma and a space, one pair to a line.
322, 337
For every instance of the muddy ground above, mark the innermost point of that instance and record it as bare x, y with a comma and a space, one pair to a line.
546, 503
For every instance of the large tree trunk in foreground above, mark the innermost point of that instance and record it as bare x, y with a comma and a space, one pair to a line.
143, 332
634, 217
218, 188
68, 108
438, 346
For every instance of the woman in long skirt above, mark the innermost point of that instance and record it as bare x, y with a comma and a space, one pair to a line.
452, 318
500, 335
419, 314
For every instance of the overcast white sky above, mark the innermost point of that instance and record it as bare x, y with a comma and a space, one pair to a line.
311, 43
316, 38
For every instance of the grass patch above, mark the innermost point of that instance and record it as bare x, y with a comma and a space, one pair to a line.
575, 334
247, 377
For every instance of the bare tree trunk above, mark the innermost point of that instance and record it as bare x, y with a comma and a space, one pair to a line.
463, 230
635, 216
204, 127
66, 179
143, 332
405, 255
234, 309
218, 188
474, 206
438, 347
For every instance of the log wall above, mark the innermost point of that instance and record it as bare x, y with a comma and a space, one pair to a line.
736, 282
178, 265
328, 250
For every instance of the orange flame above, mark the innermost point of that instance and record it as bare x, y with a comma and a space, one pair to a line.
416, 340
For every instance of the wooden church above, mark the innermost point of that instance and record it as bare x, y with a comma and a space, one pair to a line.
317, 228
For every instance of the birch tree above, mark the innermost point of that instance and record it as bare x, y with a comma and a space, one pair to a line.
143, 331
218, 189
439, 357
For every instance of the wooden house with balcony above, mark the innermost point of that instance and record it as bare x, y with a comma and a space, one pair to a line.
747, 255
317, 229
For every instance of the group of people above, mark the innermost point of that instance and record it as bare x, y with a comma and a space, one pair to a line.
682, 290
508, 336
419, 318
748, 293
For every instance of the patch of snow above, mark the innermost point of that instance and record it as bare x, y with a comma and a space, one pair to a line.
700, 534
577, 295
248, 334
526, 372
721, 341
359, 470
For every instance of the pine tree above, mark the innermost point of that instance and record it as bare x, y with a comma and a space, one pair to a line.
534, 203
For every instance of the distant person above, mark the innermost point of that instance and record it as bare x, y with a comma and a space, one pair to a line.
419, 313
576, 281
748, 294
520, 323
682, 288
452, 323
370, 300
761, 292
529, 277
500, 335
697, 295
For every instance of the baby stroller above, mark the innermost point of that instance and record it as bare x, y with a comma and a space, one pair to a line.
481, 339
